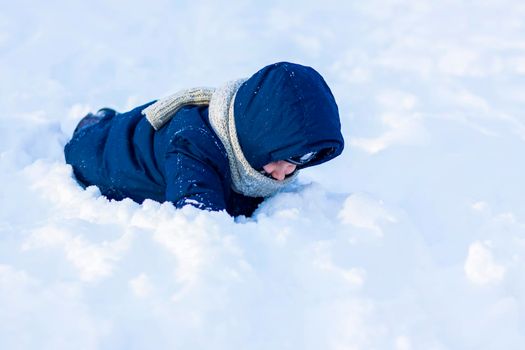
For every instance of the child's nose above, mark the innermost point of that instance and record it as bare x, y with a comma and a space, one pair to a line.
282, 169
279, 174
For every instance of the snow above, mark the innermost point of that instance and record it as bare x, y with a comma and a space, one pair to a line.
480, 266
414, 238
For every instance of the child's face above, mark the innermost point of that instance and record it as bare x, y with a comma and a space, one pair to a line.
278, 170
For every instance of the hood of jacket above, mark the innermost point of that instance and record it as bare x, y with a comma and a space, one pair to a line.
286, 110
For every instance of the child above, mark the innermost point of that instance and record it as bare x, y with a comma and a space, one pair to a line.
216, 149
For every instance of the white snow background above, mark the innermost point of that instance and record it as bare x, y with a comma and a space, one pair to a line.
414, 238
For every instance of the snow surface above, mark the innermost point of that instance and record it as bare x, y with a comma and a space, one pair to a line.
413, 239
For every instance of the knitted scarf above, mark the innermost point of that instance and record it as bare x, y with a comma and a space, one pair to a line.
245, 179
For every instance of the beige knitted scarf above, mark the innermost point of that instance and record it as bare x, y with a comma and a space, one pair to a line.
245, 179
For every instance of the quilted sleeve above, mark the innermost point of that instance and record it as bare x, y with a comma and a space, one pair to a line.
192, 174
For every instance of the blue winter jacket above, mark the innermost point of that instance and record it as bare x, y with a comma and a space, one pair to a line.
284, 110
